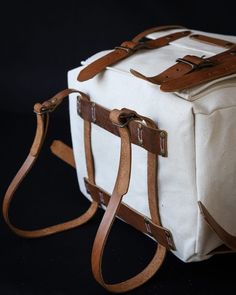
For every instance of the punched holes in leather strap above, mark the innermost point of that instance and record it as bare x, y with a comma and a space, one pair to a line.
152, 139
124, 50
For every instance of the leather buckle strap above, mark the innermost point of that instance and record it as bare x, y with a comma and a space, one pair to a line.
124, 50
191, 61
192, 70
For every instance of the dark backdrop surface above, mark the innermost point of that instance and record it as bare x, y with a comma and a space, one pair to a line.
39, 44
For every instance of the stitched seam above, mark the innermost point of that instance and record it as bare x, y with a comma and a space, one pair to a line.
196, 187
216, 110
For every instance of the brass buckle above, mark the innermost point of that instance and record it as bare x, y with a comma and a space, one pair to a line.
128, 119
128, 50
205, 63
45, 110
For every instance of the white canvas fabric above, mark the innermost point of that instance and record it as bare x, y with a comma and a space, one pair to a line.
201, 126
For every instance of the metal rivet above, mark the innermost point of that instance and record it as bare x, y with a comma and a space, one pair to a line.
162, 142
93, 112
79, 104
140, 134
148, 227
101, 198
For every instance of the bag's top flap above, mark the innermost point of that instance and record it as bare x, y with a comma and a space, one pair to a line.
152, 62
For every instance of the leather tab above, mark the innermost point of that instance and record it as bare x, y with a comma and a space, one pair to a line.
153, 140
226, 237
212, 41
132, 217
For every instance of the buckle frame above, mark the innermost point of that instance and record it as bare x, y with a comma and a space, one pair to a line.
205, 63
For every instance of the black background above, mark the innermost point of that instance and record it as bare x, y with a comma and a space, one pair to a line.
39, 44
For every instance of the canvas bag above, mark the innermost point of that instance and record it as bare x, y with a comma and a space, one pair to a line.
170, 92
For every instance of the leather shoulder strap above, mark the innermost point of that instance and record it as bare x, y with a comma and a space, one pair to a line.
120, 189
42, 113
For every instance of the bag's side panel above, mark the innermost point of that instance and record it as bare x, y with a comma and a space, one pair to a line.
216, 164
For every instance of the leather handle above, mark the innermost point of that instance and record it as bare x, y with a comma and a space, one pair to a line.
120, 189
143, 34
42, 113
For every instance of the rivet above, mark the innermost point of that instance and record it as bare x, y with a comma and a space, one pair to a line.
140, 133
93, 112
162, 134
101, 197
79, 104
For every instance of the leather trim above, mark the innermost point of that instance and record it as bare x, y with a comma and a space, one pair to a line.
212, 41
126, 49
153, 140
228, 239
132, 217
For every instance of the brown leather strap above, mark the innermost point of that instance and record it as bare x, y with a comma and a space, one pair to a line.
212, 41
126, 49
120, 189
152, 139
199, 77
133, 217
191, 71
228, 239
184, 66
143, 34
126, 213
62, 151
42, 113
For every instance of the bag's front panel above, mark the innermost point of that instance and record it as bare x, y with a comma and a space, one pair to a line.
176, 173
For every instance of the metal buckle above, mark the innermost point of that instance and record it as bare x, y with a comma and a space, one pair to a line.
205, 63
128, 50
45, 110
129, 118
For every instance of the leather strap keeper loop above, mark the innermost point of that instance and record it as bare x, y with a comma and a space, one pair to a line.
153, 140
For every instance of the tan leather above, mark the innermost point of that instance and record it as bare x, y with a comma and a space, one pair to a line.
228, 239
132, 217
120, 189
196, 78
143, 34
126, 49
126, 213
191, 71
121, 120
62, 151
212, 41
42, 113
153, 140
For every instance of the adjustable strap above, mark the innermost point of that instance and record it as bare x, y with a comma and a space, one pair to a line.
150, 138
120, 189
191, 71
228, 239
42, 113
127, 48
